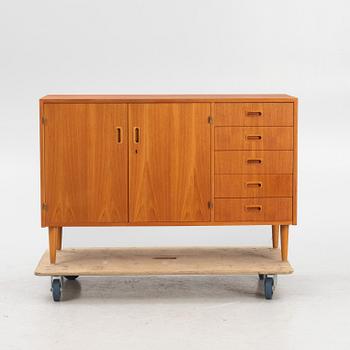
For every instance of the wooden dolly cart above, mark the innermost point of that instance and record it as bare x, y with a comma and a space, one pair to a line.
71, 263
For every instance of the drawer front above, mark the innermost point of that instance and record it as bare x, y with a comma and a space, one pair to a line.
254, 209
253, 186
247, 138
253, 162
254, 114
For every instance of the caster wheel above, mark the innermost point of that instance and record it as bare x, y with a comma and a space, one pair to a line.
71, 278
261, 277
56, 288
268, 288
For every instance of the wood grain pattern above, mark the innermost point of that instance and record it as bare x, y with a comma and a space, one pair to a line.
253, 138
169, 170
85, 168
59, 238
284, 242
275, 235
254, 114
145, 261
53, 238
253, 186
253, 162
253, 209
168, 98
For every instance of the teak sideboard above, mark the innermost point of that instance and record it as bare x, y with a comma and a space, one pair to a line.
122, 160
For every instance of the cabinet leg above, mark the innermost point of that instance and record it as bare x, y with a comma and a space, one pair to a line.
284, 242
59, 238
275, 235
53, 238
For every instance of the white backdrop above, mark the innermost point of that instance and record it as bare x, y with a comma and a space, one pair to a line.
296, 47
184, 46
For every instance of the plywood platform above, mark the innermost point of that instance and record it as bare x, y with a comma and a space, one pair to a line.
164, 261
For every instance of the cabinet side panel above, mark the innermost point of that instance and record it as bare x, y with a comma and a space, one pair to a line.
295, 163
42, 162
212, 159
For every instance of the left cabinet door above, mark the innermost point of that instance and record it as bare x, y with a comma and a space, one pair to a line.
85, 177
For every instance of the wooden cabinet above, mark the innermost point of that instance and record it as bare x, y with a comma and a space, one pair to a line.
168, 160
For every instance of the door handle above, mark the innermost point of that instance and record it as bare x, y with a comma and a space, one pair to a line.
254, 114
254, 137
257, 184
254, 161
253, 207
137, 135
119, 134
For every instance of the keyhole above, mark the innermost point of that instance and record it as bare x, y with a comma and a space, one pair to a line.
135, 150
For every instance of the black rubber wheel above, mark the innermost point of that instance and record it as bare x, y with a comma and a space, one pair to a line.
261, 277
268, 287
71, 278
56, 288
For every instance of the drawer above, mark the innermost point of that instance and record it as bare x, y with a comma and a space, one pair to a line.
253, 209
254, 114
246, 138
253, 186
253, 162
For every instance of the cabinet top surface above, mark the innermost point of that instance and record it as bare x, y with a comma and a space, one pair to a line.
167, 98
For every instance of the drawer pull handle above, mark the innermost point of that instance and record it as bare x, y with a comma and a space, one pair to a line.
254, 161
253, 207
254, 137
254, 184
137, 135
119, 135
254, 114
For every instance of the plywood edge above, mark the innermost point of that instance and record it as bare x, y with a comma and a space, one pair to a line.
167, 98
170, 223
164, 261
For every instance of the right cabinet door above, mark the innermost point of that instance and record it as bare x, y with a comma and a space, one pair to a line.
253, 162
169, 162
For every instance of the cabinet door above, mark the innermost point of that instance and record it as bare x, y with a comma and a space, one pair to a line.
169, 159
85, 164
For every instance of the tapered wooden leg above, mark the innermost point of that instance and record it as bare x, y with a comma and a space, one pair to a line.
53, 237
275, 235
59, 238
284, 242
